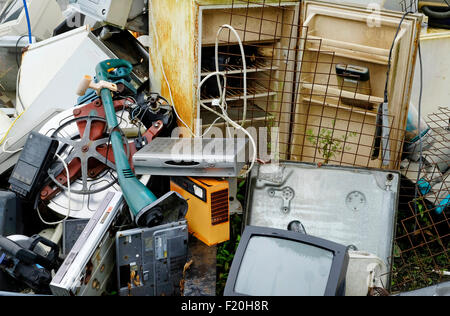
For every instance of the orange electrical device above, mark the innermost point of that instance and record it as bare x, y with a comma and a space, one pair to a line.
208, 216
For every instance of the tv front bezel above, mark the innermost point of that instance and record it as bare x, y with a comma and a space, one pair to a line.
338, 272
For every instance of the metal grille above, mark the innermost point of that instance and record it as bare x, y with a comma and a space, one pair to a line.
324, 117
293, 86
423, 231
219, 207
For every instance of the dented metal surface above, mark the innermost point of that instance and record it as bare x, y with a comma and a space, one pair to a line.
353, 207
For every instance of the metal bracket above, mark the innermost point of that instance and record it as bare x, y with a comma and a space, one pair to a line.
287, 195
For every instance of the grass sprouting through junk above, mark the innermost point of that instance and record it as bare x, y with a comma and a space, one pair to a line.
327, 144
421, 256
226, 251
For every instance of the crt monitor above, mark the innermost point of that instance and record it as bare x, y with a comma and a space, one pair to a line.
271, 262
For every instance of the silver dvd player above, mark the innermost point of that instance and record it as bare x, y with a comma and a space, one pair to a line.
90, 263
192, 157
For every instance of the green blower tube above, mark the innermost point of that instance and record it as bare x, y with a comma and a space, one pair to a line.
144, 205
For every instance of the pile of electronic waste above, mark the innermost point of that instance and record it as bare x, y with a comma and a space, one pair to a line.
78, 173
87, 169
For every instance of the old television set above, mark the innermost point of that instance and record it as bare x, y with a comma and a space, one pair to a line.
271, 262
45, 15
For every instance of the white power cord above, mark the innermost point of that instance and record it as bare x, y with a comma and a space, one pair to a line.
7, 151
223, 91
224, 115
70, 196
244, 69
18, 95
222, 102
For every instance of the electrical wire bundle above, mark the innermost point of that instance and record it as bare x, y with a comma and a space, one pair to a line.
221, 102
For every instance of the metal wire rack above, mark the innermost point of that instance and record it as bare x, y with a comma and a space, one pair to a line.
409, 5
423, 230
295, 84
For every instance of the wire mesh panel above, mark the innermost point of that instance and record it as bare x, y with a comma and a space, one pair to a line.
423, 231
318, 79
408, 5
317, 73
270, 32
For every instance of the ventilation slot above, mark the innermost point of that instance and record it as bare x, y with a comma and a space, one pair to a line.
128, 173
219, 207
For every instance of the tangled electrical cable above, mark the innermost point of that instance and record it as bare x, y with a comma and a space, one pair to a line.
221, 103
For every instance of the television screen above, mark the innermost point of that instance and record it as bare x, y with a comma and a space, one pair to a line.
11, 12
282, 267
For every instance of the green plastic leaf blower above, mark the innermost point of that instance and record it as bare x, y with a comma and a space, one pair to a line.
146, 208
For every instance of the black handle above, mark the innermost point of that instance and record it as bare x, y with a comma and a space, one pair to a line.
24, 255
50, 261
378, 134
353, 72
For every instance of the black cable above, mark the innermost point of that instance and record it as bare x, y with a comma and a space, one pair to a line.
164, 99
386, 90
145, 113
386, 98
385, 106
419, 128
17, 48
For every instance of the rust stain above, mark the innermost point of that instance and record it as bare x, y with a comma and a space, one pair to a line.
175, 32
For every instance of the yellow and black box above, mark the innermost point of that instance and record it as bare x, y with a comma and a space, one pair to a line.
208, 216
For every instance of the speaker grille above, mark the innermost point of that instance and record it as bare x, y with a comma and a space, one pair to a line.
220, 207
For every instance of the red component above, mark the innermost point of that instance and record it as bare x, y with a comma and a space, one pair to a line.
98, 128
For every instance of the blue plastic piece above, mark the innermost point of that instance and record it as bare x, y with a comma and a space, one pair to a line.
25, 6
444, 204
424, 186
89, 97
